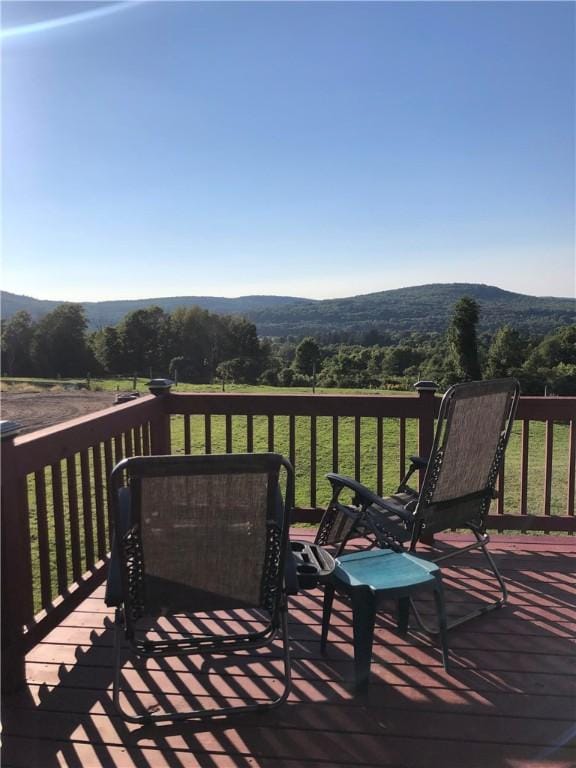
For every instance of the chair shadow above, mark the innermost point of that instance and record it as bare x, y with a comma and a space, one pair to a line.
508, 693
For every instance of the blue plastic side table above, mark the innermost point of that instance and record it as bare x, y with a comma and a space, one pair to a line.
369, 578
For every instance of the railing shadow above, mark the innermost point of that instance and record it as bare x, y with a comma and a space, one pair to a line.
507, 701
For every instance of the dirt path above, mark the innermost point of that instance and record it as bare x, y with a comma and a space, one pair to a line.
35, 410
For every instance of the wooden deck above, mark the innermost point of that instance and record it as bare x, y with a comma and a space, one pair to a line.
509, 701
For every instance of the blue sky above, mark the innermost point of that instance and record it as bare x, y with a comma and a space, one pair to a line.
311, 149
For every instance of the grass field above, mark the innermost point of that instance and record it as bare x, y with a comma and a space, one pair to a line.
127, 384
391, 470
87, 519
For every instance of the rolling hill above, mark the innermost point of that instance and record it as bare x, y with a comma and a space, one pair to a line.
419, 308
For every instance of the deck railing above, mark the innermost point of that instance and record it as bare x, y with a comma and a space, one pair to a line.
55, 514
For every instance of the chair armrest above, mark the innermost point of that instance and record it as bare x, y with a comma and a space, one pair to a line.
365, 496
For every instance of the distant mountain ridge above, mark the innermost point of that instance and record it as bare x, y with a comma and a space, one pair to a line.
418, 308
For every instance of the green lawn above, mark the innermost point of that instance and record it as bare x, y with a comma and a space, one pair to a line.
391, 469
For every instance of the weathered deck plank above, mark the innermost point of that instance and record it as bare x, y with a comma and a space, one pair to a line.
509, 701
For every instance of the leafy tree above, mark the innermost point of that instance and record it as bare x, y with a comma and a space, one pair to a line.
269, 377
179, 369
242, 337
374, 337
397, 359
107, 349
506, 353
463, 340
286, 377
564, 379
17, 333
556, 348
145, 338
59, 345
349, 367
552, 364
307, 358
201, 339
240, 370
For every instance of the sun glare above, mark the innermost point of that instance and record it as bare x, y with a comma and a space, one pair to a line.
72, 18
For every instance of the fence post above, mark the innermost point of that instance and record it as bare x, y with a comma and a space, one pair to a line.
16, 572
427, 393
160, 435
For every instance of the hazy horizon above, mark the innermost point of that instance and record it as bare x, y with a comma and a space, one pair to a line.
273, 295
316, 150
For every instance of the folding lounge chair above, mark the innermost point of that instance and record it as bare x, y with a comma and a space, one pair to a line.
473, 428
195, 534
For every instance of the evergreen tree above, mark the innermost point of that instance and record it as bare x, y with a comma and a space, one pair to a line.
463, 340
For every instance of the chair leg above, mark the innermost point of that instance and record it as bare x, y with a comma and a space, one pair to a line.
363, 617
403, 615
326, 612
442, 622
118, 630
481, 544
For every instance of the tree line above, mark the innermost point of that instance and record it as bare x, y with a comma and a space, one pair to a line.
197, 346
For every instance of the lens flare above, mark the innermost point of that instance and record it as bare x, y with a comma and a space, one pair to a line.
73, 18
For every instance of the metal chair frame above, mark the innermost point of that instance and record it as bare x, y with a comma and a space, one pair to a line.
409, 515
122, 590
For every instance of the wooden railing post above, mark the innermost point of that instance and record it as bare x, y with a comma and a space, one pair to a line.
160, 434
16, 572
427, 391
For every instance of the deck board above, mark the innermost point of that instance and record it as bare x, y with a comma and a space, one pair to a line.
509, 700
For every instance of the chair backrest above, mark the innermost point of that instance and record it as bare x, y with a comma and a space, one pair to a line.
202, 532
473, 429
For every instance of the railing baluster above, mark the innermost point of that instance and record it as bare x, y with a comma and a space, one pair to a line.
87, 509
43, 539
548, 469
335, 445
313, 445
74, 518
118, 456
402, 455
99, 500
357, 438
187, 436
128, 444
136, 432
271, 433
571, 468
500, 488
379, 455
146, 438
249, 433
207, 433
292, 440
228, 421
59, 527
524, 467
108, 464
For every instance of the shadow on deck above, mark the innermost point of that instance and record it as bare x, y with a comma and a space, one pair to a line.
509, 701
